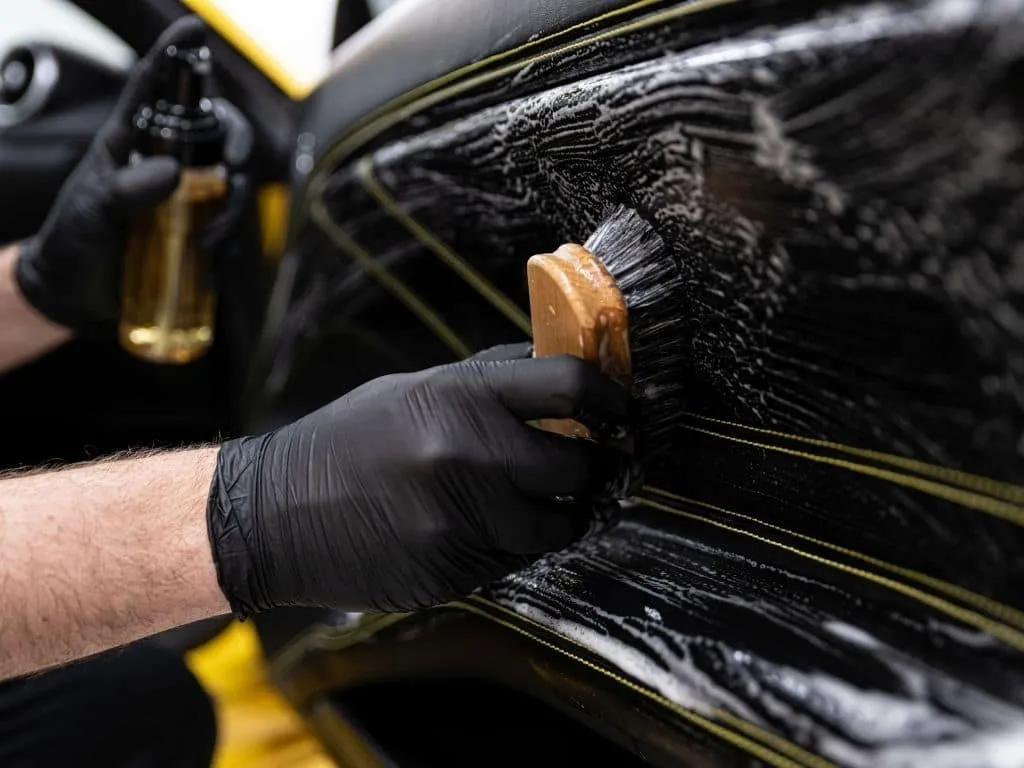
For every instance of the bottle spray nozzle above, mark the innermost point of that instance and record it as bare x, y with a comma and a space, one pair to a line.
186, 74
181, 120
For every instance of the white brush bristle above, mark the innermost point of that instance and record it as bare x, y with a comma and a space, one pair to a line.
650, 282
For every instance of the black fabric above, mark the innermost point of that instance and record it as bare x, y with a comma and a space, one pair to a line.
840, 187
135, 707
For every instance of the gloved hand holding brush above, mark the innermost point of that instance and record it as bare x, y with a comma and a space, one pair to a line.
413, 489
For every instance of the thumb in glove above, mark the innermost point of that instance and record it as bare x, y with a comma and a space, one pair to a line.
141, 186
71, 270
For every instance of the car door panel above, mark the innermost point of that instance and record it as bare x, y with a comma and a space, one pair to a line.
825, 565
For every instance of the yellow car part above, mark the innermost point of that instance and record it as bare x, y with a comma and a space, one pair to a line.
229, 29
256, 727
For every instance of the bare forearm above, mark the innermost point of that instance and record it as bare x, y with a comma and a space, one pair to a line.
99, 555
24, 333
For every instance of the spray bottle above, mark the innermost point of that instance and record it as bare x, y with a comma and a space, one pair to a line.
168, 298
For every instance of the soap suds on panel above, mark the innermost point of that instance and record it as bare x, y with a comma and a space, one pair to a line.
905, 708
842, 201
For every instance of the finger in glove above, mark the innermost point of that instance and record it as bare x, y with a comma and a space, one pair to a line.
546, 465
545, 526
240, 134
140, 186
561, 387
504, 352
549, 465
551, 528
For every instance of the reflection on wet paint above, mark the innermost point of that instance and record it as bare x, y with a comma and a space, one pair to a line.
713, 624
842, 186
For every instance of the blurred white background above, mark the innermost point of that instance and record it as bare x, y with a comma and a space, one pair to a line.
58, 21
296, 32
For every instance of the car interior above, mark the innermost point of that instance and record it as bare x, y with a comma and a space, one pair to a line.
823, 565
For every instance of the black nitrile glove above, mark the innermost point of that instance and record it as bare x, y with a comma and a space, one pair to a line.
413, 489
71, 270
521, 351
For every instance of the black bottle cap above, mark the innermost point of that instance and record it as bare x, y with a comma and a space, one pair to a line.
181, 121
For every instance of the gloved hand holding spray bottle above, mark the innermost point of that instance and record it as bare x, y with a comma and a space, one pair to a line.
168, 298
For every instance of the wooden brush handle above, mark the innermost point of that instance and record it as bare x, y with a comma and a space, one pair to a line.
577, 309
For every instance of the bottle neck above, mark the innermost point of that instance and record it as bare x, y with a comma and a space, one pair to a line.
181, 121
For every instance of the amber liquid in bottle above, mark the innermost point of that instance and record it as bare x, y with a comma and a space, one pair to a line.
168, 303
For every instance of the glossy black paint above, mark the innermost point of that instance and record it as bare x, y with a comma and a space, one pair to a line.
831, 542
789, 654
413, 675
720, 621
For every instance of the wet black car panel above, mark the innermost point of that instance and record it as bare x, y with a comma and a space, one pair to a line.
825, 565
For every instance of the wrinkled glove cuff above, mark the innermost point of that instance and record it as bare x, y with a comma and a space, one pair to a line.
231, 520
